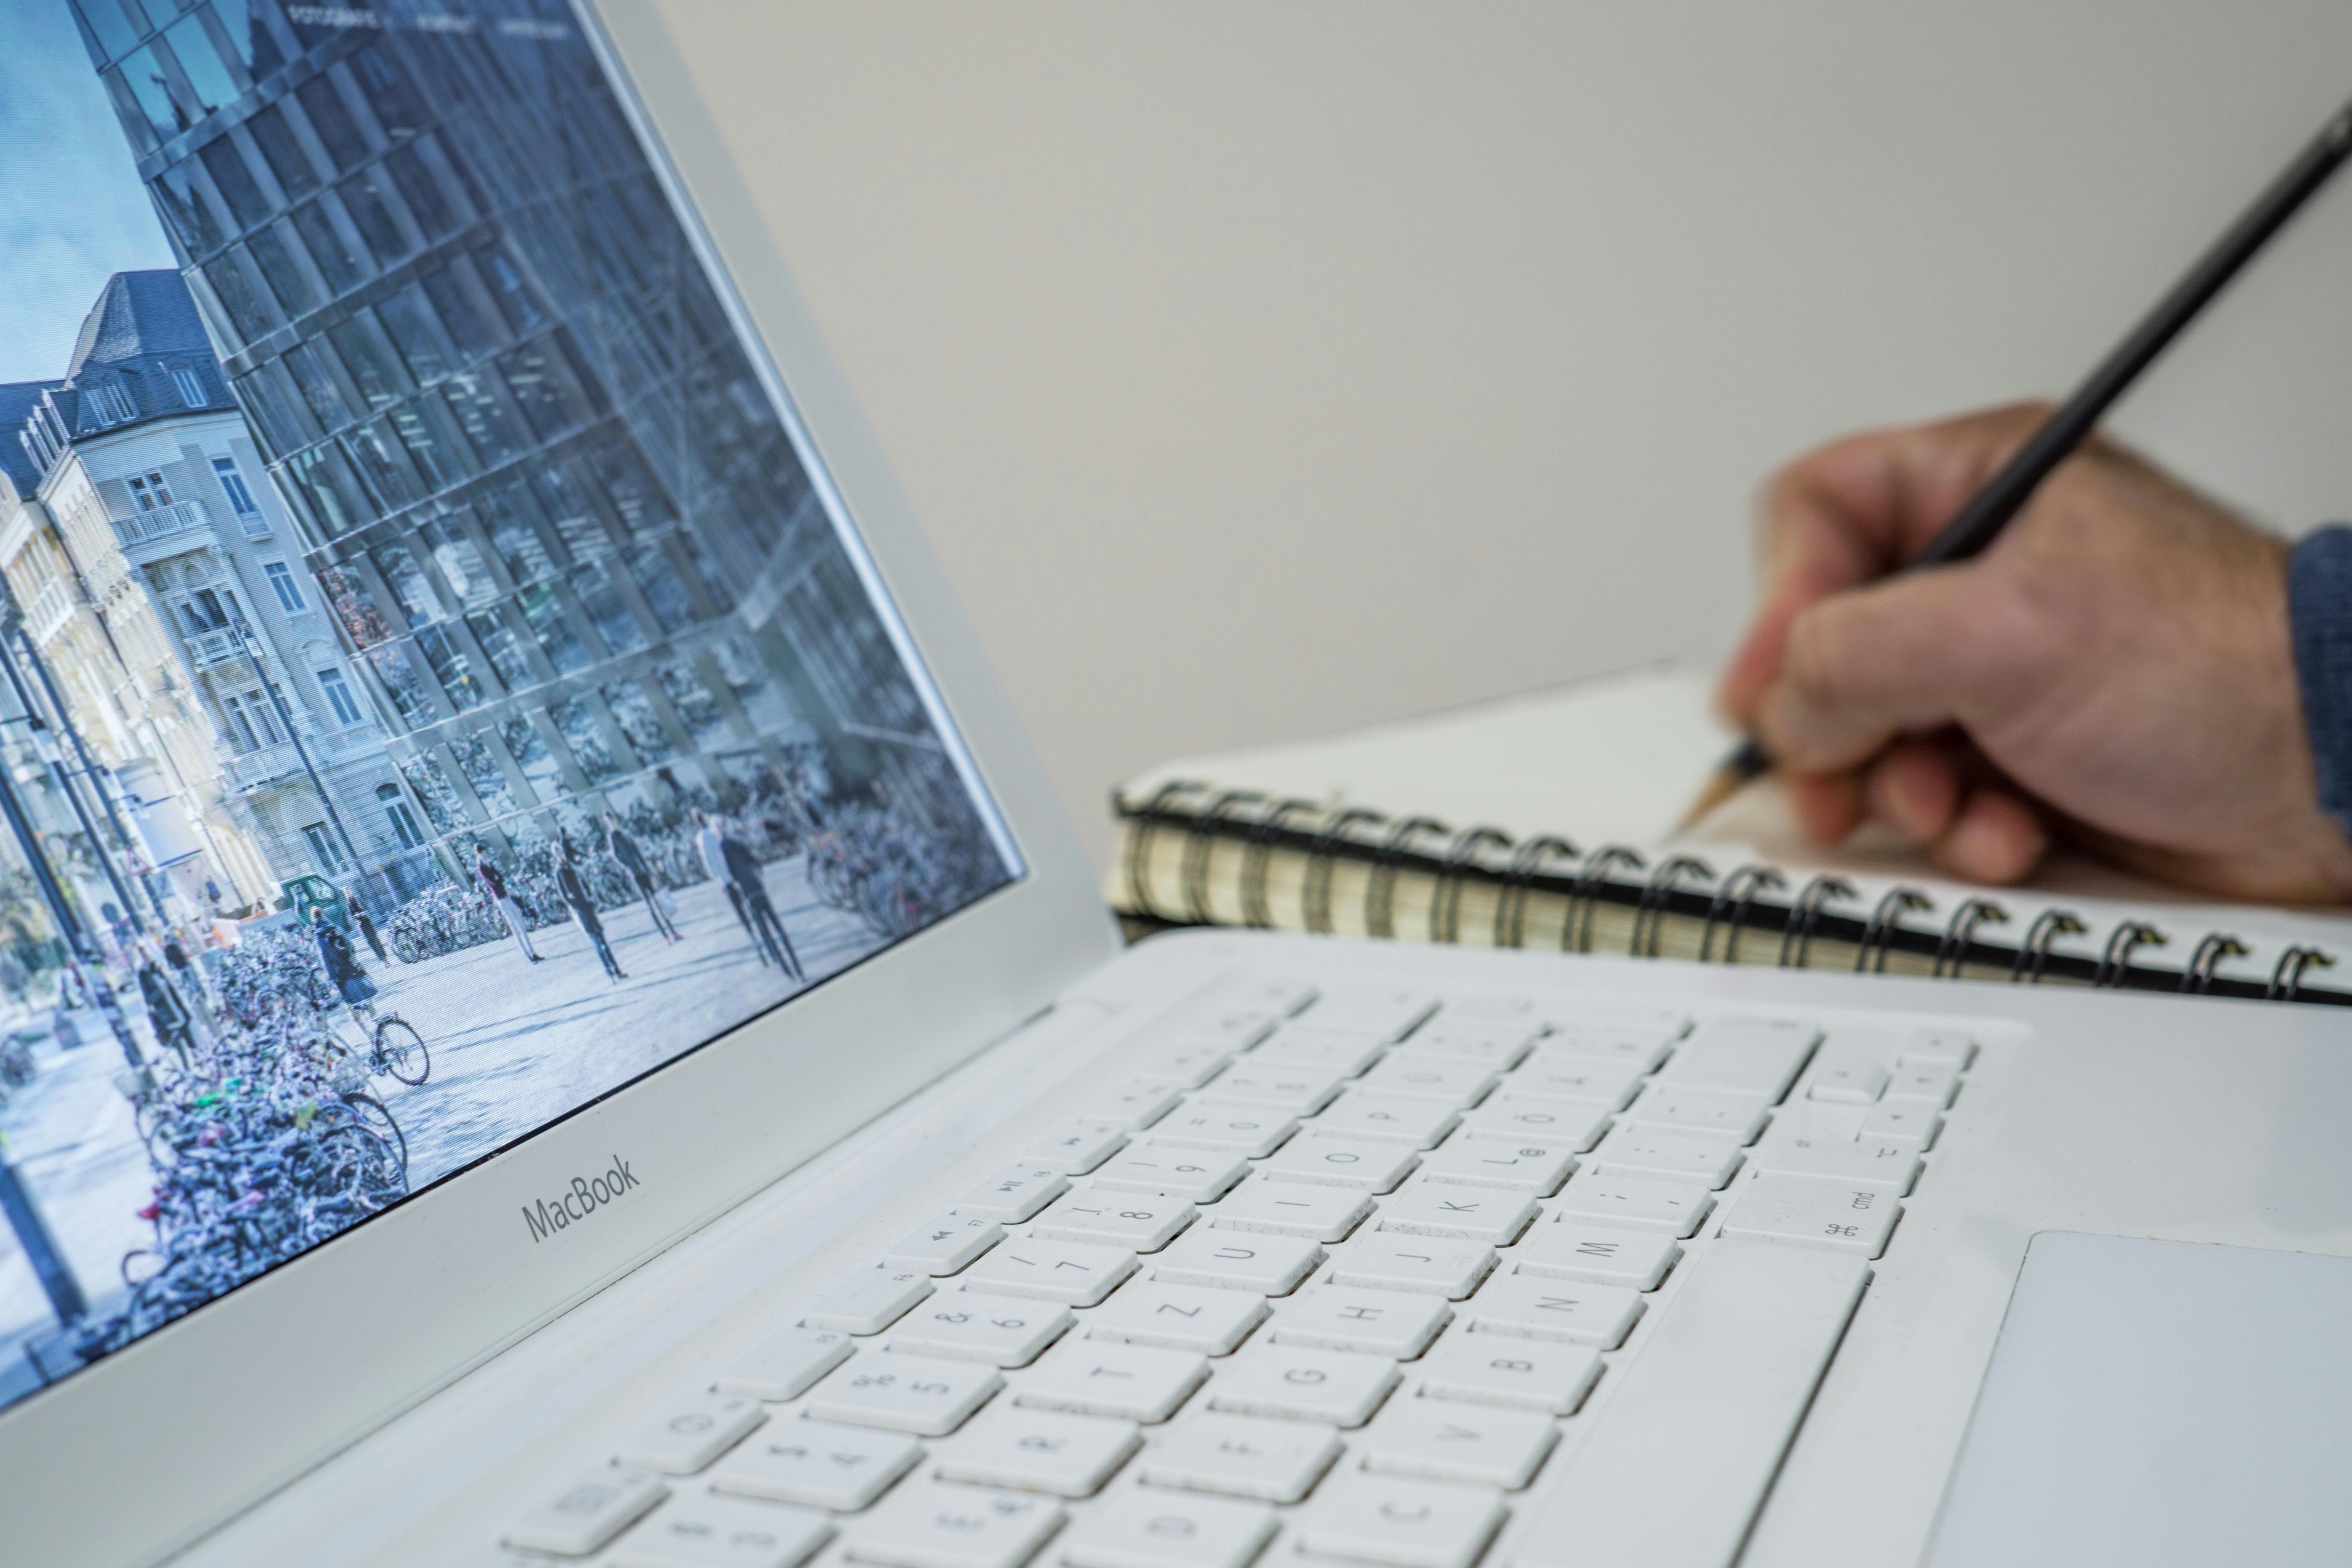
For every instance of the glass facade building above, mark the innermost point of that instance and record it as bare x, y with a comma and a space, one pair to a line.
574, 555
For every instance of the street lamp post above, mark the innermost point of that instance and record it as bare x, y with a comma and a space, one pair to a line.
88, 770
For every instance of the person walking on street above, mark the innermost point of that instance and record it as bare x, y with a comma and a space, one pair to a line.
360, 918
575, 889
713, 847
344, 972
625, 853
744, 876
167, 1013
494, 887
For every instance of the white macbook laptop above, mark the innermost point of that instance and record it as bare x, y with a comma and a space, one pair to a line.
759, 1151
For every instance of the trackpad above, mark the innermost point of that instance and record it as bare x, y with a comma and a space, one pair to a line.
2153, 1403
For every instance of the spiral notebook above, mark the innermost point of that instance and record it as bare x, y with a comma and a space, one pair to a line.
1544, 822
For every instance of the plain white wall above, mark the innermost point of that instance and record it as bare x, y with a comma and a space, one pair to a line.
1259, 371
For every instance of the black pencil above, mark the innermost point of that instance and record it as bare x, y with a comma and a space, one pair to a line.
1991, 508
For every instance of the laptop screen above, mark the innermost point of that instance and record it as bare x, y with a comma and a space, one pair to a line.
438, 681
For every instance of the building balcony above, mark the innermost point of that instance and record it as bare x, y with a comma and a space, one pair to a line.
258, 769
51, 608
145, 527
207, 648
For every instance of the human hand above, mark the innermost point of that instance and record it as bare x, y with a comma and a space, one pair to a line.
2115, 670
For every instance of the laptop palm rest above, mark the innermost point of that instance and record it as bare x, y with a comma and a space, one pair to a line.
2154, 1403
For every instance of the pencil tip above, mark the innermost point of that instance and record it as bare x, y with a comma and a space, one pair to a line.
1720, 786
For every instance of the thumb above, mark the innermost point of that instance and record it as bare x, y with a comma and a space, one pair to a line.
1908, 655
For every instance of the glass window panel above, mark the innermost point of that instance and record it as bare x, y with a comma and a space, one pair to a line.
440, 462
363, 198
161, 13
577, 725
694, 703
233, 178
481, 770
396, 672
249, 36
705, 567
450, 667
458, 318
338, 260
435, 792
325, 484
112, 28
635, 714
249, 313
376, 452
543, 610
533, 756
658, 581
748, 677
185, 210
319, 392
201, 63
460, 562
276, 258
547, 402
515, 301
142, 73
340, 698
634, 492
399, 108
354, 606
606, 611
283, 153
416, 333
428, 204
338, 131
503, 649
476, 407
267, 396
567, 507
516, 540
368, 360
408, 582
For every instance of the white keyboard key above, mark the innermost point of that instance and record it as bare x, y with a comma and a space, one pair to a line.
1135, 1103
1904, 1121
1390, 1012
1575, 1250
1448, 1441
1422, 1075
928, 1396
1848, 1083
1498, 1044
1634, 1203
1814, 1121
1298, 1382
944, 1245
1291, 1208
1575, 1123
1013, 1195
683, 1440
1100, 1377
1280, 995
1076, 1147
724, 1532
1294, 1089
1073, 1273
1718, 1392
1352, 1318
1739, 1117
1638, 1149
1748, 1056
1180, 1317
964, 1325
1568, 1077
783, 1365
1641, 1047
1399, 1523
1425, 1265
1936, 1048
1235, 1126
1467, 1213
1139, 1528
1240, 1455
1386, 1119
869, 1301
1931, 1084
1196, 1175
588, 1511
1528, 1165
1354, 1163
1529, 1375
1804, 1211
938, 1525
1141, 1222
1186, 1063
1888, 1166
1525, 1306
1337, 1053
1038, 1451
1266, 1262
817, 1463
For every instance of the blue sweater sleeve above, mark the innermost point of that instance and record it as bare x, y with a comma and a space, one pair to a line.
2319, 610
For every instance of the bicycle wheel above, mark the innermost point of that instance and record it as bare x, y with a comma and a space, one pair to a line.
400, 1050
371, 1115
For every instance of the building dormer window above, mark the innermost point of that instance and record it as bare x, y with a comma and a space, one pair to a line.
151, 492
109, 403
186, 383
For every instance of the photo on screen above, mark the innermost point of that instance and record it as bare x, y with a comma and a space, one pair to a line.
437, 684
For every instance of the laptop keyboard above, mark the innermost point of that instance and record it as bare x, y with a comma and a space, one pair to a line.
1348, 1275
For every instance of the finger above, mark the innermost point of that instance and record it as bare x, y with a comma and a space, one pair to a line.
1827, 806
1909, 656
1994, 837
1914, 788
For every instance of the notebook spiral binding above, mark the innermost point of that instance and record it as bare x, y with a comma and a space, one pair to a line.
1750, 897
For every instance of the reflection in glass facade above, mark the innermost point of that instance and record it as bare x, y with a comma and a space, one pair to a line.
555, 515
